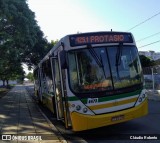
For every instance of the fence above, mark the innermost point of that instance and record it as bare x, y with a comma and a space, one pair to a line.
152, 77
10, 82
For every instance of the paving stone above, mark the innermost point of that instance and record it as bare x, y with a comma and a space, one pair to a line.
19, 115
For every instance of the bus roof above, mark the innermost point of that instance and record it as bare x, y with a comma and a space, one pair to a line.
100, 37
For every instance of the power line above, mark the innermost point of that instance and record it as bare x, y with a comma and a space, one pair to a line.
144, 21
148, 37
149, 44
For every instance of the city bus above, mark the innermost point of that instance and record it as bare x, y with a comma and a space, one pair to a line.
91, 80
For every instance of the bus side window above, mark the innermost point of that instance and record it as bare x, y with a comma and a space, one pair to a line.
73, 70
48, 76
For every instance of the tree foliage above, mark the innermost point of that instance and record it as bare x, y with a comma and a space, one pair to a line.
157, 62
21, 39
30, 76
145, 61
20, 31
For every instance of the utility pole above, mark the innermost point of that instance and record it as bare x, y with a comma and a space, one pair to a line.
153, 79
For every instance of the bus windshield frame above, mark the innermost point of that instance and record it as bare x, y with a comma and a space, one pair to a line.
104, 68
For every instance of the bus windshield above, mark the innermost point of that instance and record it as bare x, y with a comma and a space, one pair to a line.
104, 68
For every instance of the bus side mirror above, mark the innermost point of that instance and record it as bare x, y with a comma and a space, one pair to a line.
63, 60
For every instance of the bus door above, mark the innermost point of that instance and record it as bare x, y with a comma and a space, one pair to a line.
57, 89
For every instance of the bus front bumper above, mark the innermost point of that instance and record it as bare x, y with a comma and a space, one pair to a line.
84, 122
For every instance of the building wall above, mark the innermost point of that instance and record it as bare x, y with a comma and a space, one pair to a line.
151, 54
10, 82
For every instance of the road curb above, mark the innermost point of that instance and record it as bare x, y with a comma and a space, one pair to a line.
153, 95
54, 129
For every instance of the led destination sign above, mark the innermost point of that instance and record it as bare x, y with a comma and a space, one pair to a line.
98, 38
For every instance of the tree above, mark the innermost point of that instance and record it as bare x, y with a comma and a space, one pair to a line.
19, 30
21, 39
157, 62
10, 67
18, 24
30, 76
145, 61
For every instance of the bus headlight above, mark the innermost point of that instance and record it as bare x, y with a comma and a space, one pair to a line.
85, 110
140, 99
78, 107
143, 96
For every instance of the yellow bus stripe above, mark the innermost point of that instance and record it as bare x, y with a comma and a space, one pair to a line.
118, 103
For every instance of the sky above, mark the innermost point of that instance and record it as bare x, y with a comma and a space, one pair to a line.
58, 18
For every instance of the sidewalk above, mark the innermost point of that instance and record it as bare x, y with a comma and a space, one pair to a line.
153, 95
20, 116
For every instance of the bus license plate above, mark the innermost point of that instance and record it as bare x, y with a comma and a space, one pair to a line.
117, 118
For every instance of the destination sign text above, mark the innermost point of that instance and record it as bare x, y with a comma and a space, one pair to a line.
98, 38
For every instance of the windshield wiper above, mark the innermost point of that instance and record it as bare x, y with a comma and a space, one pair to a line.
96, 57
118, 58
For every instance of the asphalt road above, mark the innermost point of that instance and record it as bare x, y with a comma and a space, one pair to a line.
133, 131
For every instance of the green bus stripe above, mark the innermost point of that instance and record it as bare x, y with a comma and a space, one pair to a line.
103, 99
73, 98
119, 96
